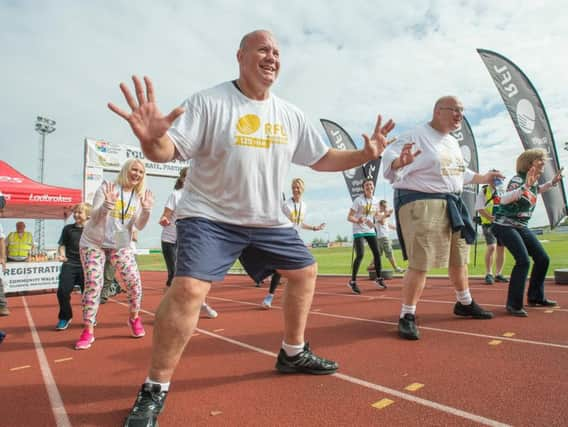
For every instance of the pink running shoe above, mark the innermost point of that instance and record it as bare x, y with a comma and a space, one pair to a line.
136, 328
85, 340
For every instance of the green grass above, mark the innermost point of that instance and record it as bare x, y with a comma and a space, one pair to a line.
338, 260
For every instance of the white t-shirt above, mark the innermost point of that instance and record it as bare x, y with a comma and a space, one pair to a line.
440, 168
241, 151
169, 233
98, 231
295, 212
366, 208
383, 230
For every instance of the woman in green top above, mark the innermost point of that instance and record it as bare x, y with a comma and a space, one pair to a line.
512, 215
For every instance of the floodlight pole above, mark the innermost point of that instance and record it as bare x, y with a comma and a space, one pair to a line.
43, 126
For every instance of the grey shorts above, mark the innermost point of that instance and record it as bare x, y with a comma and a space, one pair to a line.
206, 250
490, 238
385, 246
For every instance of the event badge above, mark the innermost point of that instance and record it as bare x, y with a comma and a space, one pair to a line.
122, 238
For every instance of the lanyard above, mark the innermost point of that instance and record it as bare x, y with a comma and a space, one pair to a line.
123, 211
297, 211
368, 205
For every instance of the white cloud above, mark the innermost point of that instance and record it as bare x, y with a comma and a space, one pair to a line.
342, 61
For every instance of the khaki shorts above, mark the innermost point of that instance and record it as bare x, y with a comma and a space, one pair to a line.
428, 237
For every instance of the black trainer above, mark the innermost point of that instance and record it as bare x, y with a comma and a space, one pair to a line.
473, 310
381, 283
354, 288
305, 363
544, 303
407, 328
148, 405
517, 312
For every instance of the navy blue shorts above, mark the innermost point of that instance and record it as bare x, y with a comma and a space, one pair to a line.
206, 250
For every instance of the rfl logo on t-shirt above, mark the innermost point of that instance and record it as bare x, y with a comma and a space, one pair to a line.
249, 124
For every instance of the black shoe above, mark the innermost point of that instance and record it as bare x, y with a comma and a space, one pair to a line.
149, 404
518, 312
489, 280
407, 328
305, 363
544, 303
381, 283
473, 310
501, 278
354, 288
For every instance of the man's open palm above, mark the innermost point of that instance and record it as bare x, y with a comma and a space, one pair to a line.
146, 120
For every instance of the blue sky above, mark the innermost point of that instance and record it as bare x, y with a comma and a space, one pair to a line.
342, 61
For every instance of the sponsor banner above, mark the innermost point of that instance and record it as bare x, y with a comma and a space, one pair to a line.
92, 180
529, 116
111, 157
465, 138
341, 140
31, 276
101, 156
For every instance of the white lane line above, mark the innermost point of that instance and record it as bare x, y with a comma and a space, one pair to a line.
427, 328
381, 296
57, 407
354, 380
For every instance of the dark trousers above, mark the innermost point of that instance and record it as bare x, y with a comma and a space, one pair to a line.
3, 302
274, 282
69, 276
169, 252
522, 243
360, 251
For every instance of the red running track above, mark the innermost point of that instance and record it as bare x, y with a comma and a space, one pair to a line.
505, 371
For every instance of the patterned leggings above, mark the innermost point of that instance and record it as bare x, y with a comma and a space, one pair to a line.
93, 261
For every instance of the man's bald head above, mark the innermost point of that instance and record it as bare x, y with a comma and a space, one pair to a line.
247, 36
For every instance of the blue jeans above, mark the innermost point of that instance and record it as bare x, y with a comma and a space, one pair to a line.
522, 243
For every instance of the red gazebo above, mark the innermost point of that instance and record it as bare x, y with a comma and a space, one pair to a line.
26, 198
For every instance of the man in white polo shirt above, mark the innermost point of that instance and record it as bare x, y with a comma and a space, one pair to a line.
428, 172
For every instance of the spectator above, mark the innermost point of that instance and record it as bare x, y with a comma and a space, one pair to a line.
494, 247
4, 311
19, 244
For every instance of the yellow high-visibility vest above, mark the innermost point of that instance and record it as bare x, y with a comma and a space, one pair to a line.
19, 247
488, 193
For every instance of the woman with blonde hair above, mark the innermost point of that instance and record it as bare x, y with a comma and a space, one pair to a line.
295, 209
118, 208
512, 211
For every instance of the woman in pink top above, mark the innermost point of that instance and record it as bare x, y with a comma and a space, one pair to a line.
118, 208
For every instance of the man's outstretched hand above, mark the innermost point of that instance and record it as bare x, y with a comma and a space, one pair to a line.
146, 120
376, 144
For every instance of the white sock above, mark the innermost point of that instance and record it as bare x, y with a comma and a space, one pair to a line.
163, 386
410, 309
464, 297
292, 350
